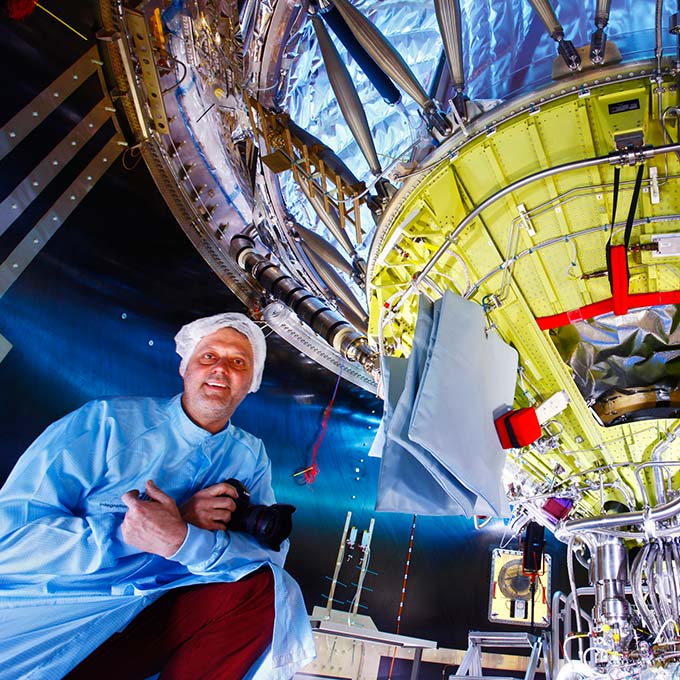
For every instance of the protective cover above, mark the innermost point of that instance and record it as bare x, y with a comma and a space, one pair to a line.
638, 349
441, 454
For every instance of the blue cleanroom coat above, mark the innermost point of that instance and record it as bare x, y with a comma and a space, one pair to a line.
67, 579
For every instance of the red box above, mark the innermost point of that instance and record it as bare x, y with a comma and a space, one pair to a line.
518, 428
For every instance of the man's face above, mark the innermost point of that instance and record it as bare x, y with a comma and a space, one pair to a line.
217, 378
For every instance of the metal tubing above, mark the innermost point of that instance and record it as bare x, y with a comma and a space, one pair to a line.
658, 49
364, 566
451, 237
346, 95
374, 73
331, 160
338, 564
602, 13
375, 43
656, 514
557, 598
657, 452
329, 218
337, 286
448, 18
322, 248
544, 9
311, 309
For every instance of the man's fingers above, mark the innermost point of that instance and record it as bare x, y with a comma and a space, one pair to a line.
129, 497
224, 503
157, 494
222, 516
221, 489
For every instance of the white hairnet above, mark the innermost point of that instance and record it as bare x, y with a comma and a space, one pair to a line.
190, 335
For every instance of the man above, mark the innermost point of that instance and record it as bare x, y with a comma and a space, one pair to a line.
115, 556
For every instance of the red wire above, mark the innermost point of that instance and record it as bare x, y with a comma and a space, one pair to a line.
313, 469
403, 591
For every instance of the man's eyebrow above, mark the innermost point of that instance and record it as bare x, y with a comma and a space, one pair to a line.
235, 350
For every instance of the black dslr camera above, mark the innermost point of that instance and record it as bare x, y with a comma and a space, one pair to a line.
269, 524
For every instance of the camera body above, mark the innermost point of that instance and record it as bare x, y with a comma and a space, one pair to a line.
269, 524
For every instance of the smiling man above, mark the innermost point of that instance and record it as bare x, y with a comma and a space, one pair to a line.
116, 558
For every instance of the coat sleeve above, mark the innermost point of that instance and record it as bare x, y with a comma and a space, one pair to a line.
41, 531
233, 554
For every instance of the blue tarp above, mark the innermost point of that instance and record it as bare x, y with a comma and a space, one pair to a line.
440, 451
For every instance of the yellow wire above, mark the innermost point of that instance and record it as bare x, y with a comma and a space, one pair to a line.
61, 21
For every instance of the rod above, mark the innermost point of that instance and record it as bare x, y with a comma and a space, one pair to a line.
448, 18
451, 237
346, 96
384, 54
364, 565
338, 564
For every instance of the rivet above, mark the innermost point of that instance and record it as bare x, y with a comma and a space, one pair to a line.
55, 219
56, 94
12, 134
35, 183
72, 197
105, 160
15, 265
35, 114
73, 143
89, 178
36, 240
75, 76
14, 206
55, 162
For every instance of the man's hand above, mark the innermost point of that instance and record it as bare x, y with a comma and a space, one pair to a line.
211, 508
154, 526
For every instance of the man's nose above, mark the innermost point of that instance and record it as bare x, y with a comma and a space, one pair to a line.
221, 365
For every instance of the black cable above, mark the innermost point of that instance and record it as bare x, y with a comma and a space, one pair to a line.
180, 80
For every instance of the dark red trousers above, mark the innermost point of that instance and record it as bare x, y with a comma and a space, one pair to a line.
207, 632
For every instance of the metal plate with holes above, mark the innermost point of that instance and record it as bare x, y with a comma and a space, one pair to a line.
147, 63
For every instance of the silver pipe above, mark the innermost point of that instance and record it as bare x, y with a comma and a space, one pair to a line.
544, 10
346, 95
558, 598
329, 218
338, 565
598, 41
658, 49
670, 580
656, 514
602, 13
609, 576
657, 452
310, 308
648, 616
364, 566
337, 286
574, 590
570, 606
451, 237
331, 160
642, 466
375, 43
625, 492
448, 18
322, 247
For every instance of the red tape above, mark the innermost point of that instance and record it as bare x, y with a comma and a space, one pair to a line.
638, 301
